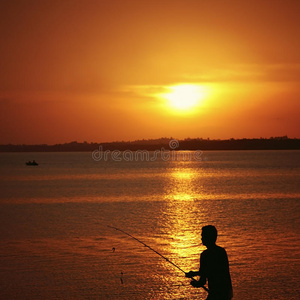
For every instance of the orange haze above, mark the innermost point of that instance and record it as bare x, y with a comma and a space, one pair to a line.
100, 70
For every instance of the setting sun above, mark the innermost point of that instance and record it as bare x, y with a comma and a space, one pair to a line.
130, 70
184, 96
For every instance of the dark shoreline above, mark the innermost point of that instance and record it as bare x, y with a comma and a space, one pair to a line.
277, 143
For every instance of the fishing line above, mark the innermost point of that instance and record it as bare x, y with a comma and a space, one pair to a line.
141, 242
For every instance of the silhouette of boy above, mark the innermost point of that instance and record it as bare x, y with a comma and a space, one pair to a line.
214, 267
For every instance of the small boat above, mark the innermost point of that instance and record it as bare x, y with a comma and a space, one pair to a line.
32, 163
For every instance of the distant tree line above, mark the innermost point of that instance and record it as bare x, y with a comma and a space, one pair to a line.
274, 143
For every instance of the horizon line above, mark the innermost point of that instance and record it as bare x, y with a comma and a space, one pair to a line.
285, 137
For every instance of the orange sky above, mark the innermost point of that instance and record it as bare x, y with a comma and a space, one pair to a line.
99, 71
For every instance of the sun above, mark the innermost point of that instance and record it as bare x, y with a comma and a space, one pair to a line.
184, 97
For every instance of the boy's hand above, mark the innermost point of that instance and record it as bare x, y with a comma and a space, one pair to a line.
190, 274
196, 284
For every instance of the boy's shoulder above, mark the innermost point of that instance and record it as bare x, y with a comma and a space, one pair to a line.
215, 249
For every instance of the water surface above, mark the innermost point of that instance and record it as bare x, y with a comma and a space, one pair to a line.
55, 243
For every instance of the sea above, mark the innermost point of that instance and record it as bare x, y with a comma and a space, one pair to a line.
127, 225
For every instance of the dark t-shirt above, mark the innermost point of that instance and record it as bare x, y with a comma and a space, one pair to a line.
214, 267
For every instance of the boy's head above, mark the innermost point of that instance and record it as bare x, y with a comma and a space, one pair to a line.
209, 235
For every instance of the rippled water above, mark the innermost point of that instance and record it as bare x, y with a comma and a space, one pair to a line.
55, 243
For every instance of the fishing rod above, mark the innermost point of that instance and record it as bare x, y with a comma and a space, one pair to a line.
204, 287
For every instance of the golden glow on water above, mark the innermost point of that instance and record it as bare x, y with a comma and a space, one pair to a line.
184, 246
183, 234
181, 184
62, 247
183, 174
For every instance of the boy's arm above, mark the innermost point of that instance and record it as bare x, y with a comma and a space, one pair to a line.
191, 274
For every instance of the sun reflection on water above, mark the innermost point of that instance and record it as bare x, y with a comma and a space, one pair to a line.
183, 233
181, 184
181, 244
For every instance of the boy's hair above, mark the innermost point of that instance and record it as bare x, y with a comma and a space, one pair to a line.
210, 233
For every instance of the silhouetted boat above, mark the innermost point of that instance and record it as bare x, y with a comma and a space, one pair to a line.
32, 163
